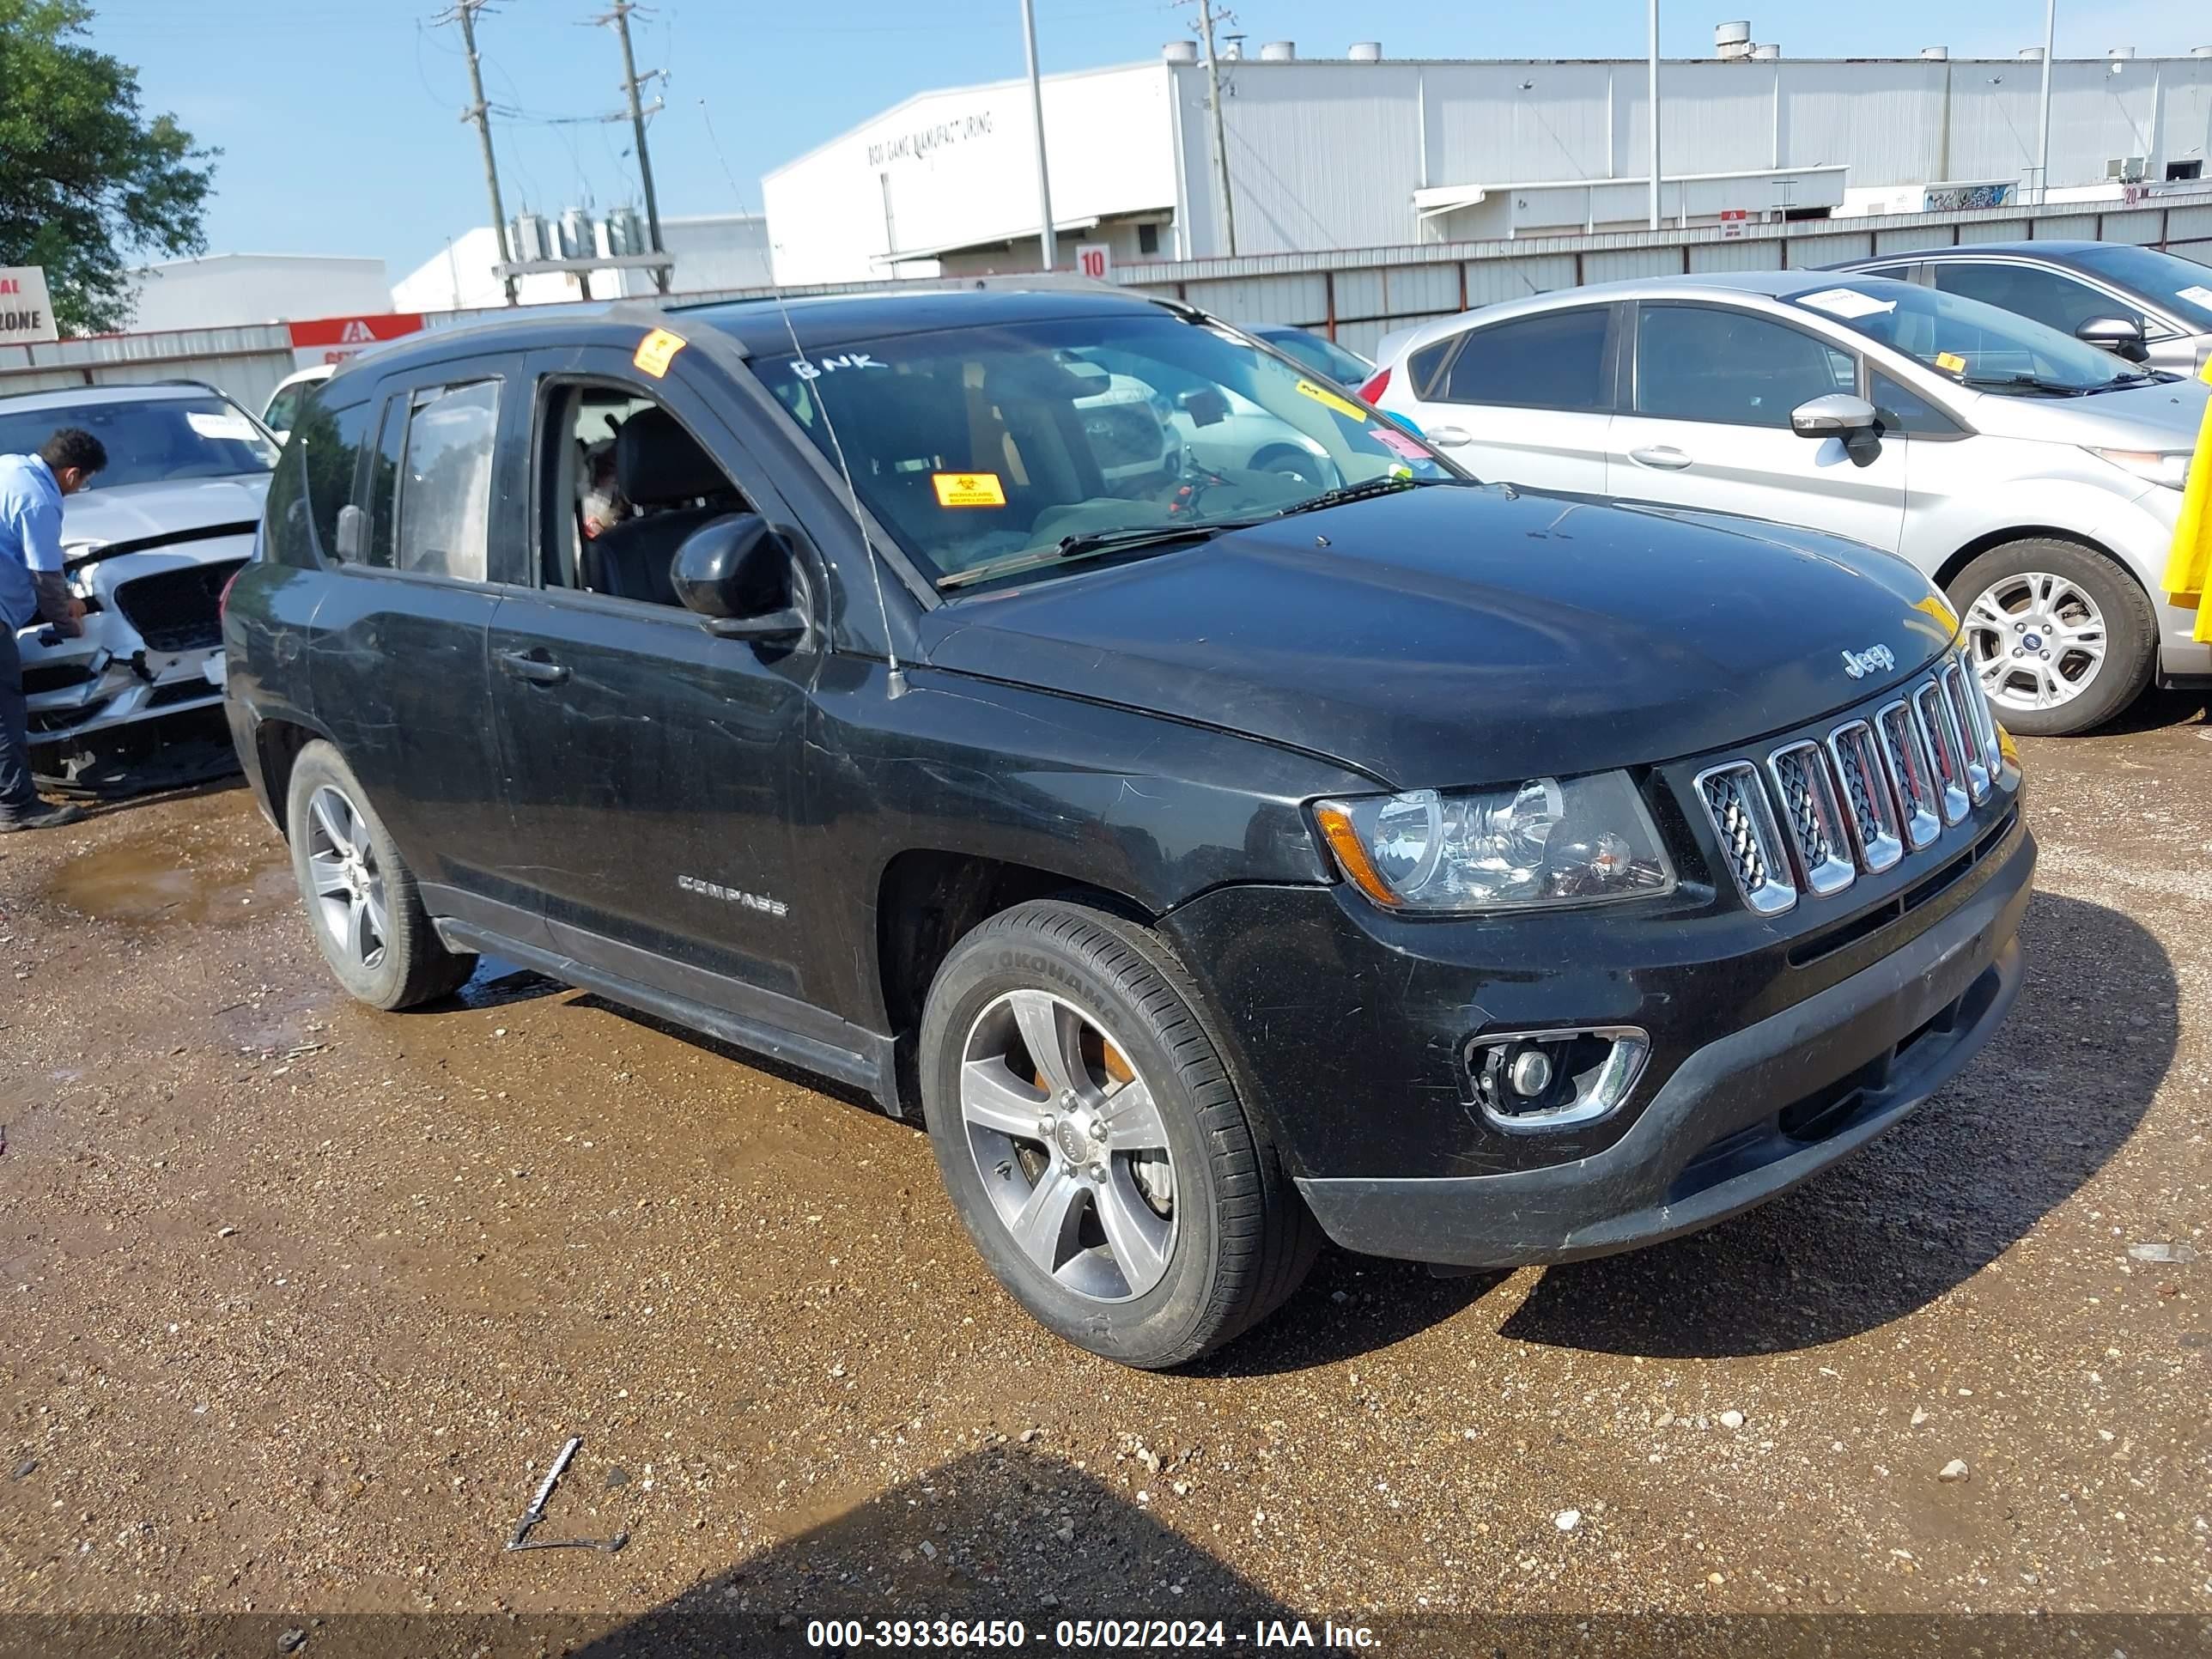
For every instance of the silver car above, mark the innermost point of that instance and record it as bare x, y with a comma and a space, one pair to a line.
149, 548
2142, 303
2036, 479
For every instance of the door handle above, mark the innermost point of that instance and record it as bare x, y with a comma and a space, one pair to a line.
538, 671
1449, 437
1665, 457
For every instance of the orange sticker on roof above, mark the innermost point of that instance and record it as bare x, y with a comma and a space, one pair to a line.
656, 352
968, 489
1952, 360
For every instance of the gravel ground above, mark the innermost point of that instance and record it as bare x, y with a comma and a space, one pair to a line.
303, 1298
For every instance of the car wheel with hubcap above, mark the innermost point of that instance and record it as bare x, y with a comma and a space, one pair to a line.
1093, 1142
359, 895
2062, 638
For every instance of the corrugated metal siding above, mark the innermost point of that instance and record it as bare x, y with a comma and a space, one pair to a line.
1994, 230
1900, 241
2190, 224
1736, 256
246, 362
2067, 226
1489, 280
2139, 227
1810, 252
1302, 299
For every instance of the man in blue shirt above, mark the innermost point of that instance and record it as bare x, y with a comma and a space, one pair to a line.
32, 589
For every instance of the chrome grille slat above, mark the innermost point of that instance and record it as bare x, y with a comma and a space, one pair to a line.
1911, 773
1970, 735
1812, 819
1751, 843
1931, 711
1985, 718
1869, 801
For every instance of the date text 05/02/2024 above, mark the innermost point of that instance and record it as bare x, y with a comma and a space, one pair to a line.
854, 1635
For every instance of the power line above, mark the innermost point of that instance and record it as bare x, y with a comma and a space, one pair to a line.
463, 12
618, 15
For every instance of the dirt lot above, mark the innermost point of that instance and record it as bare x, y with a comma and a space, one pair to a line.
302, 1299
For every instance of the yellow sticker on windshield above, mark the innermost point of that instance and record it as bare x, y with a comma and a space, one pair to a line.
1951, 361
1337, 401
656, 352
968, 489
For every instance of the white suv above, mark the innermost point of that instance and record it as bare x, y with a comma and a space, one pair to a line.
149, 547
2036, 479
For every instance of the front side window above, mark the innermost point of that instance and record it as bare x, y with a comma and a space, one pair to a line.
1703, 363
988, 446
1974, 345
153, 440
2054, 301
1557, 361
2180, 286
445, 481
1903, 409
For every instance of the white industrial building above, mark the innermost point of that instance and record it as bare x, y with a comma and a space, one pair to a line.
709, 252
236, 290
1366, 151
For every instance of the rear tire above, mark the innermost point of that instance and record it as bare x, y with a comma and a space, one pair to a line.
1147, 1237
360, 898
2034, 610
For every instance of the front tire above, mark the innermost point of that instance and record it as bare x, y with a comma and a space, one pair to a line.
359, 896
1092, 1141
2063, 638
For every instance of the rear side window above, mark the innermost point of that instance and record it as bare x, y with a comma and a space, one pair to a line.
2056, 301
1701, 363
443, 521
315, 481
1421, 368
1557, 361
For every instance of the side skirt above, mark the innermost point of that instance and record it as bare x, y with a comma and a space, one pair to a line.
868, 1066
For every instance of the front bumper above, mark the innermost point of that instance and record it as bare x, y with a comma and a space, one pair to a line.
1776, 1048
1741, 1121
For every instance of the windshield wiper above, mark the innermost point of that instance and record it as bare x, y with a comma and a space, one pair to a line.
2134, 377
1094, 542
1359, 492
2025, 383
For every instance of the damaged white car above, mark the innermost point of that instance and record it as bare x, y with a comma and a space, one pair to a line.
149, 548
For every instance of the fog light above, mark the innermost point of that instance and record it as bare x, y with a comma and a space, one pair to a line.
1529, 1081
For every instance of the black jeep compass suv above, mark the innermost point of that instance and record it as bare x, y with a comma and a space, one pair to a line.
1211, 857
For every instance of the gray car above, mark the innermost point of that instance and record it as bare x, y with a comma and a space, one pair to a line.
2036, 479
2141, 303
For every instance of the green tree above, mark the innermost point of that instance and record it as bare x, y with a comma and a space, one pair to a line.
86, 178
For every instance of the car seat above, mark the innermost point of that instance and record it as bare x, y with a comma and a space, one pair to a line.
662, 470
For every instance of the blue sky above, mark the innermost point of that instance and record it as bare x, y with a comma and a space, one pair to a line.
339, 119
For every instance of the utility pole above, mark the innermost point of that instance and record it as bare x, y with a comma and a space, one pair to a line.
618, 14
1036, 110
2042, 142
1220, 131
464, 13
1654, 95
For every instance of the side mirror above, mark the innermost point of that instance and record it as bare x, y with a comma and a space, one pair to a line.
1840, 415
2120, 336
737, 575
1205, 406
352, 534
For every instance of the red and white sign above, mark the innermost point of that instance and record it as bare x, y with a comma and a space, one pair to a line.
1093, 260
1732, 221
321, 340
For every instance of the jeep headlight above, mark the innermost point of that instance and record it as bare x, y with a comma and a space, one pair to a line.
1581, 841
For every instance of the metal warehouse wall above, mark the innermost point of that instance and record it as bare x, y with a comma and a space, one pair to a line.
246, 362
1326, 152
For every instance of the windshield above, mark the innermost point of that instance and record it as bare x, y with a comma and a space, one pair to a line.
150, 440
1330, 358
2180, 286
1973, 343
977, 445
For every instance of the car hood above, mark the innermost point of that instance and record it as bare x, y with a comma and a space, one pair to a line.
2165, 416
150, 512
1460, 635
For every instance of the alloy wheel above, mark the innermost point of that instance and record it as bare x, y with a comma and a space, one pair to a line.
1070, 1146
348, 882
2037, 640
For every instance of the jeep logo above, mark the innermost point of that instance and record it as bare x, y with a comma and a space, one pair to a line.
1860, 664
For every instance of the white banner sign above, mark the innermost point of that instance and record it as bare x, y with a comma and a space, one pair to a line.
26, 317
